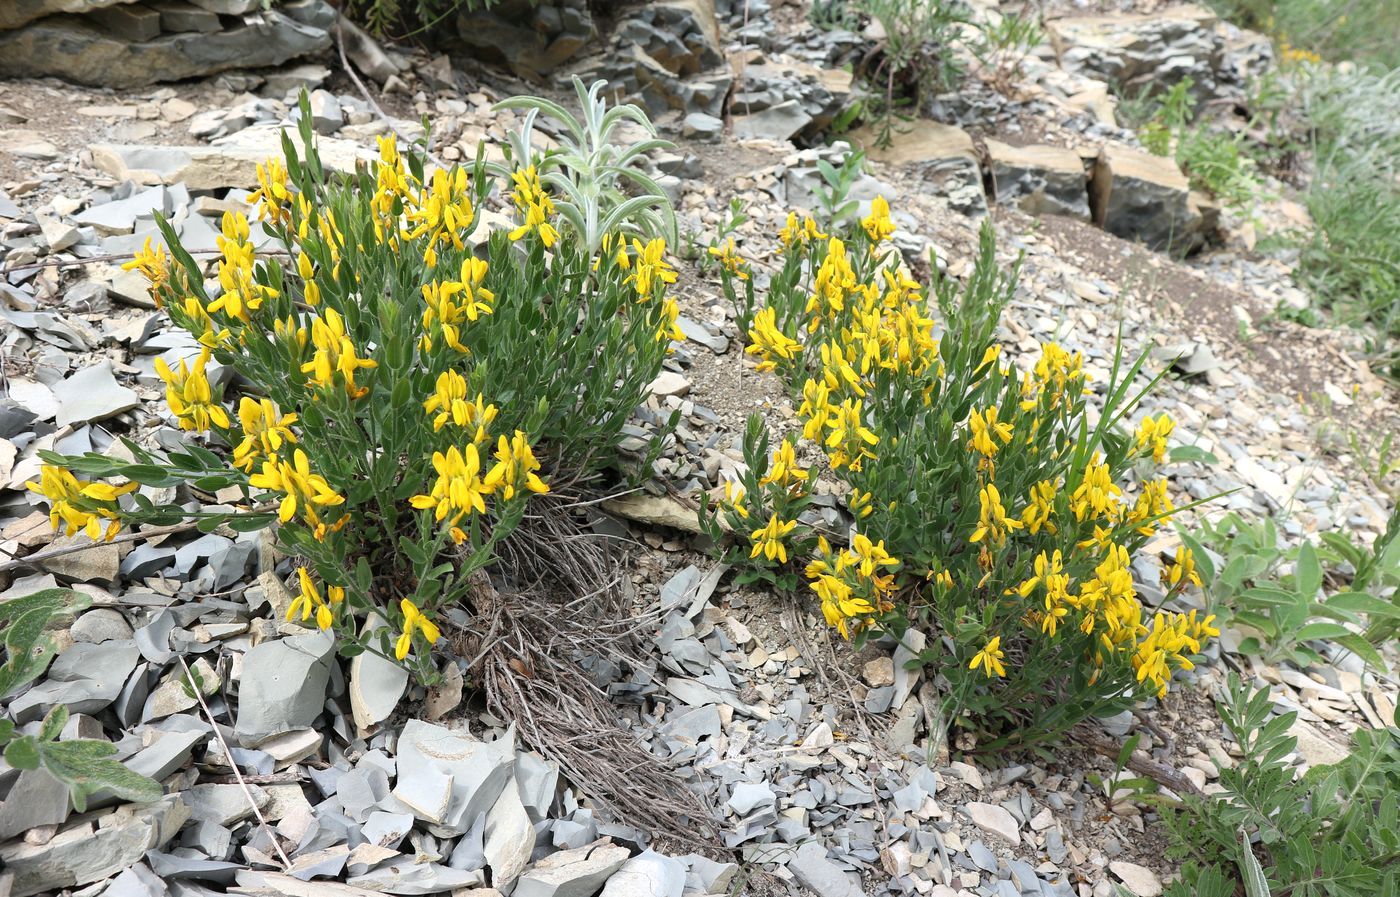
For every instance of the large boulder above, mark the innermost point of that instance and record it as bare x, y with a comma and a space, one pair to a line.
1139, 196
14, 13
941, 154
77, 48
1039, 180
1142, 51
532, 38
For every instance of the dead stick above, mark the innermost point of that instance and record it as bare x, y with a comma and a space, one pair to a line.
237, 773
1161, 773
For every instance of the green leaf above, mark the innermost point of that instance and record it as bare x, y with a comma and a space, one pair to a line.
1363, 649
86, 766
1362, 603
23, 753
1191, 453
1309, 572
1255, 884
54, 723
1331, 631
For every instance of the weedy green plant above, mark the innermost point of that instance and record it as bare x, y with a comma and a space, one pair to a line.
85, 766
412, 380
1279, 595
1358, 31
592, 171
1003, 47
404, 18
837, 209
989, 509
1212, 159
1373, 571
911, 59
1335, 832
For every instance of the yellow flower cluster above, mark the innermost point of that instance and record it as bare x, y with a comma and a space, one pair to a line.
304, 493
190, 397
242, 294
78, 506
311, 601
852, 584
534, 205
461, 490
453, 302
442, 212
335, 357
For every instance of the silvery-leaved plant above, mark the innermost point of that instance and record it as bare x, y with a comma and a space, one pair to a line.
591, 171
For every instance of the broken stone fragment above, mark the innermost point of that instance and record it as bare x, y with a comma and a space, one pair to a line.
572, 873
283, 686
1039, 180
93, 849
448, 778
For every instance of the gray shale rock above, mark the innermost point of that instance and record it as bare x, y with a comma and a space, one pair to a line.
1139, 196
95, 848
75, 49
1039, 180
283, 686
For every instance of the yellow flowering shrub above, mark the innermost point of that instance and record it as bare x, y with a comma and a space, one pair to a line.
992, 509
410, 380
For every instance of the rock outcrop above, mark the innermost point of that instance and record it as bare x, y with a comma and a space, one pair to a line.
134, 44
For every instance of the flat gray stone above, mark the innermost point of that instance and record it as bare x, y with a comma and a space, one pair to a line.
90, 851
648, 874
818, 874
475, 772
572, 873
92, 394
283, 686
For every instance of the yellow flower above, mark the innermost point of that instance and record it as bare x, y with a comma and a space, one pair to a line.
392, 190
265, 428
1183, 571
860, 504
1097, 494
849, 436
730, 259
816, 408
302, 491
869, 556
1152, 436
990, 659
734, 498
651, 268
450, 403
767, 340
834, 281
1200, 630
242, 295
445, 312
196, 320
309, 290
669, 327
414, 621
534, 205
190, 397
155, 265
802, 233
515, 466
878, 224
80, 506
986, 431
993, 524
335, 354
273, 196
443, 212
783, 468
310, 601
769, 541
1037, 514
458, 489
